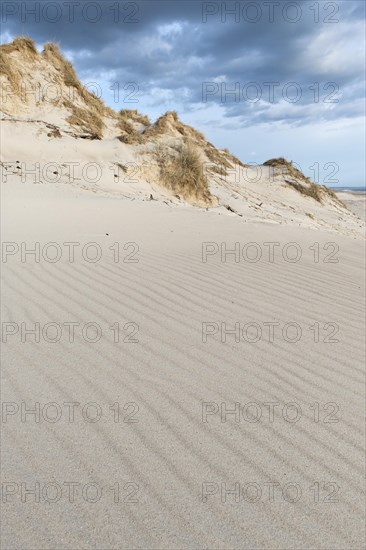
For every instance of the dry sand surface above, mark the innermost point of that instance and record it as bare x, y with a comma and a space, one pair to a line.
355, 202
171, 466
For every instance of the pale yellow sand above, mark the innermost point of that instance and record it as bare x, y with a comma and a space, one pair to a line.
355, 202
170, 372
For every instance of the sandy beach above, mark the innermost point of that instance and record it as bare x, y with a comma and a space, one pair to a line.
183, 331
168, 452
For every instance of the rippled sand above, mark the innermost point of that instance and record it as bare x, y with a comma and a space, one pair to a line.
174, 466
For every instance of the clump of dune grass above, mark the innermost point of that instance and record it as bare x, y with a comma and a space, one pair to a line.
94, 104
21, 44
161, 126
134, 115
286, 167
302, 183
182, 171
221, 160
299, 181
311, 190
90, 117
52, 52
89, 121
129, 134
8, 66
218, 160
170, 120
10, 72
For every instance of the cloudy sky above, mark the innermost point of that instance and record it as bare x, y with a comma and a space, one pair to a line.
263, 78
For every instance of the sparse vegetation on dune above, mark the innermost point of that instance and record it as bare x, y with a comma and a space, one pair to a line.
52, 52
87, 111
129, 134
125, 123
8, 67
311, 190
12, 74
300, 182
182, 171
168, 123
134, 115
90, 118
286, 167
89, 121
221, 160
20, 44
161, 125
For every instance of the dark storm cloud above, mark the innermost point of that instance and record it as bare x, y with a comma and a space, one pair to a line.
178, 46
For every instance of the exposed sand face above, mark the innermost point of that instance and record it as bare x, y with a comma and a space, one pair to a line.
169, 457
111, 168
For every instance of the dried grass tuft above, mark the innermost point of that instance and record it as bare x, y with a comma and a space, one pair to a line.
129, 134
94, 105
89, 121
183, 172
21, 44
301, 183
8, 66
134, 115
169, 121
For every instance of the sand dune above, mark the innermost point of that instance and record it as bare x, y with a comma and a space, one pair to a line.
355, 202
171, 461
183, 358
72, 138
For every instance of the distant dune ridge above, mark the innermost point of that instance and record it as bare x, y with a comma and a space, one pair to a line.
48, 115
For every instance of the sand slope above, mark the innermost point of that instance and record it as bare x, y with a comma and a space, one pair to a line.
355, 202
111, 168
170, 452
